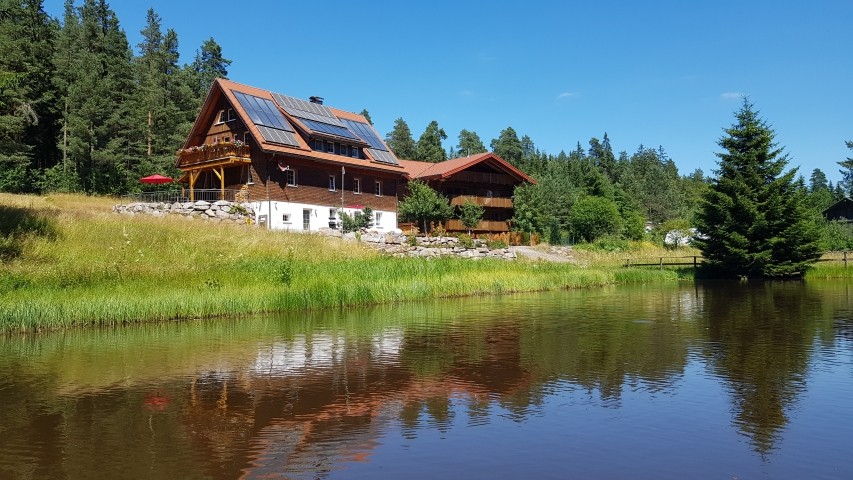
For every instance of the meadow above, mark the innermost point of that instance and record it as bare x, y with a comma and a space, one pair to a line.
68, 260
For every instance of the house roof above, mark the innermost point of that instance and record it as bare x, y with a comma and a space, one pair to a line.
376, 158
444, 170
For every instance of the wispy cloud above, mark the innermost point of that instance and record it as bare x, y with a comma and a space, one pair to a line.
565, 95
467, 93
732, 95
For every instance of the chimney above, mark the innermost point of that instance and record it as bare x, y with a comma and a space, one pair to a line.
316, 99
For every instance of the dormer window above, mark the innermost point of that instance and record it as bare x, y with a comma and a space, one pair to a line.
330, 147
355, 152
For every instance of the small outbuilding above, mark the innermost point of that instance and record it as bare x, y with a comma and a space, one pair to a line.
840, 211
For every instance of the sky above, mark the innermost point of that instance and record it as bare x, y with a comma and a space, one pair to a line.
653, 73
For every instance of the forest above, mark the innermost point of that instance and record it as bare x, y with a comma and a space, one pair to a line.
82, 110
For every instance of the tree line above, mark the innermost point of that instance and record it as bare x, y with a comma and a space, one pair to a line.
83, 111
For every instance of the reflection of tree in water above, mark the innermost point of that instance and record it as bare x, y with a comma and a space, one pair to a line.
760, 341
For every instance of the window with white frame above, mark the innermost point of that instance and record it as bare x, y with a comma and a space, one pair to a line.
285, 218
355, 152
333, 213
290, 177
356, 186
330, 147
377, 221
378, 186
250, 180
332, 183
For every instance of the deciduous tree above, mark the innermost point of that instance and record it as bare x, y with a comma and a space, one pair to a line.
424, 205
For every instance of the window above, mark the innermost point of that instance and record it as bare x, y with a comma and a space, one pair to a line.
226, 138
332, 183
344, 150
249, 178
220, 117
330, 147
378, 186
356, 186
333, 213
319, 145
246, 138
226, 115
355, 152
290, 177
285, 218
378, 220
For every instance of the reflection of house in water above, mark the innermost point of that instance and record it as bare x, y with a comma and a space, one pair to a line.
317, 401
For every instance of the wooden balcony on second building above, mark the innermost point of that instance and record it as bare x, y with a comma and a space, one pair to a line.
491, 226
493, 202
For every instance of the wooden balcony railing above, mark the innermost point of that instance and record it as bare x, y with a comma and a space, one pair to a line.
494, 202
483, 226
479, 177
218, 153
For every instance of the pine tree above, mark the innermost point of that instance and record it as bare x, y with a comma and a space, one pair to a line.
28, 114
364, 113
508, 146
208, 65
400, 140
469, 144
429, 147
754, 220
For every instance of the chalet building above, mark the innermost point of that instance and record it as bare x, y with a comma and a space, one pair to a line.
485, 179
298, 162
840, 211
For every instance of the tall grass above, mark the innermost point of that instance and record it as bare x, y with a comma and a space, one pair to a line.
102, 268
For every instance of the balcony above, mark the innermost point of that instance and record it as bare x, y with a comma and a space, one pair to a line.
484, 226
493, 202
218, 154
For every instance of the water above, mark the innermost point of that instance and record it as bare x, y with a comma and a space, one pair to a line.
718, 380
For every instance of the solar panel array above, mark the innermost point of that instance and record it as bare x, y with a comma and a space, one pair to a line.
270, 122
382, 156
309, 110
367, 134
330, 129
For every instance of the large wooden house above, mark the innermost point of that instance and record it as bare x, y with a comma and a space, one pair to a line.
299, 163
485, 179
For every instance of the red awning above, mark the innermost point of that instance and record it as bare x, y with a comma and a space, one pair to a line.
155, 179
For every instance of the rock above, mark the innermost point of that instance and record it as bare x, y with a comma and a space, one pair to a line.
201, 205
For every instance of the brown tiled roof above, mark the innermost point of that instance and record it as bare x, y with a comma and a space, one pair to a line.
226, 87
445, 169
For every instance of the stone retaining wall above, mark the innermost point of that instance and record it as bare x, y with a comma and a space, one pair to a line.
398, 245
219, 211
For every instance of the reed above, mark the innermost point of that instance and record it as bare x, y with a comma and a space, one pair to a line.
94, 267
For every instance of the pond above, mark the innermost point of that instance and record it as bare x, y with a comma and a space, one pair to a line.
709, 380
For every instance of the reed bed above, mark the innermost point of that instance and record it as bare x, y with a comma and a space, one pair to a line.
88, 266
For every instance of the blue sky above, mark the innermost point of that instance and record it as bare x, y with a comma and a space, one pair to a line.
667, 73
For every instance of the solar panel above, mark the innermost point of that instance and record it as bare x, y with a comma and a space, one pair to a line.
320, 127
270, 122
274, 135
367, 134
262, 111
292, 105
382, 156
313, 116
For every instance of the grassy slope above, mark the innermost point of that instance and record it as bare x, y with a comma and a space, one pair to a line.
70, 261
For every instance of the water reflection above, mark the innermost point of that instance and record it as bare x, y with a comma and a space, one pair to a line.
310, 394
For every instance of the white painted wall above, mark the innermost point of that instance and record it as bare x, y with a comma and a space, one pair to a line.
289, 216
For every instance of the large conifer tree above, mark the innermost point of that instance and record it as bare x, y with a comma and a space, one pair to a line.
429, 145
400, 140
754, 220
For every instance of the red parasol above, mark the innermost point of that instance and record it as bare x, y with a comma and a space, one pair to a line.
155, 179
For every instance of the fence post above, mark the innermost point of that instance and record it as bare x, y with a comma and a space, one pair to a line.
661, 263
694, 261
845, 258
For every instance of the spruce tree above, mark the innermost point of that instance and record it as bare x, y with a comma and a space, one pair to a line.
846, 183
400, 140
429, 147
208, 65
469, 144
508, 146
754, 221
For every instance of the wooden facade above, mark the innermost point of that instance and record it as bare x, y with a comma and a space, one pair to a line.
485, 179
302, 184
